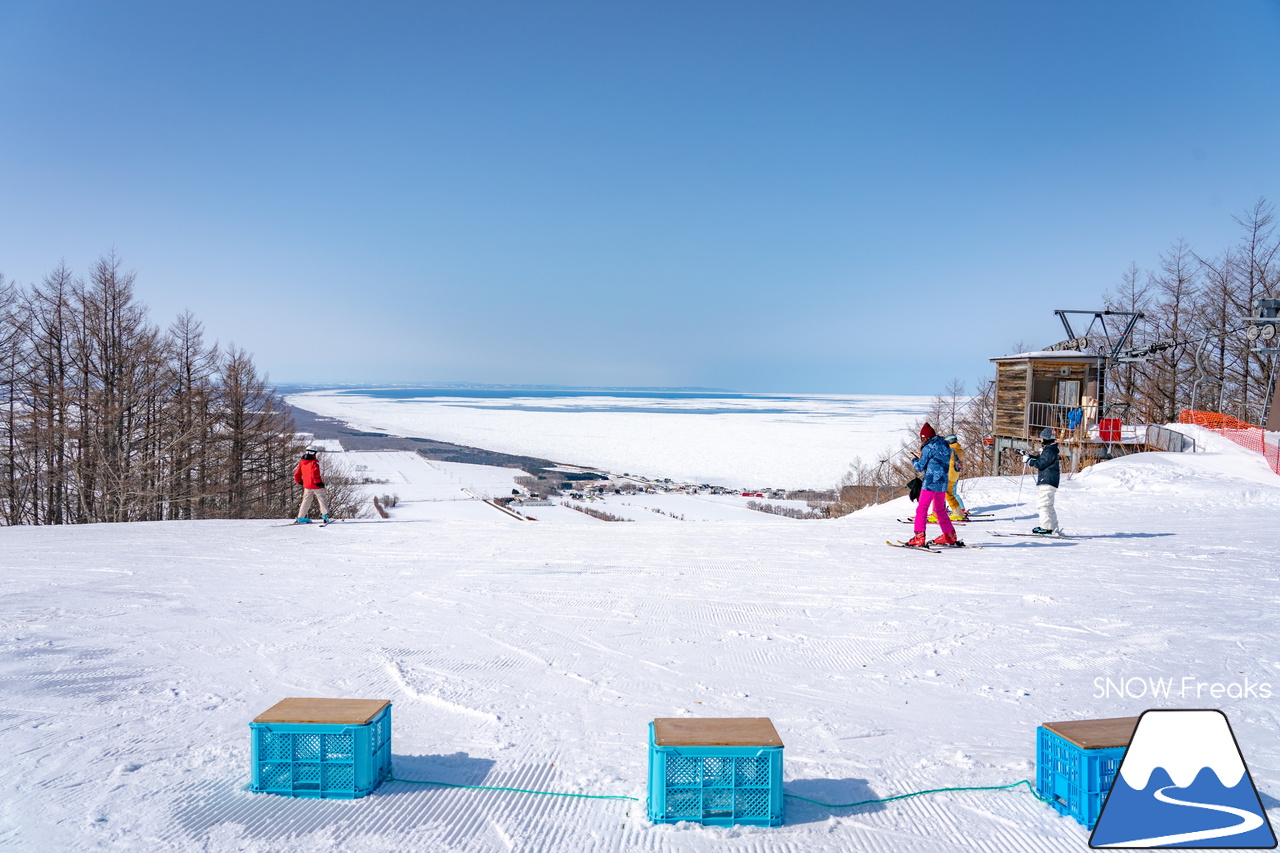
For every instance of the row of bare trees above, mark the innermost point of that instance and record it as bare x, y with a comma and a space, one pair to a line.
1199, 303
105, 417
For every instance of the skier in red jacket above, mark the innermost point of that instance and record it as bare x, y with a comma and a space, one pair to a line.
307, 475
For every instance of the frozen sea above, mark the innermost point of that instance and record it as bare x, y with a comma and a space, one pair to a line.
719, 437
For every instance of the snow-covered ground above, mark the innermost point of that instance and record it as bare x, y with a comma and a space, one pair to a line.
779, 441
532, 655
427, 489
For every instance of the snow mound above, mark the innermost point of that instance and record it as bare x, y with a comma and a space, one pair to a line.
1225, 472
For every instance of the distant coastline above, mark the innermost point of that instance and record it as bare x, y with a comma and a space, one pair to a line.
758, 441
323, 427
439, 451
299, 387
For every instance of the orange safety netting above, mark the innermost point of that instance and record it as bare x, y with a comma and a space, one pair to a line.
1242, 433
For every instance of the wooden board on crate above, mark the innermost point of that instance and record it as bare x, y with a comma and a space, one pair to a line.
328, 712
715, 731
1096, 734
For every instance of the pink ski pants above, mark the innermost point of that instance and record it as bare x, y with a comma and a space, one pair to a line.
937, 501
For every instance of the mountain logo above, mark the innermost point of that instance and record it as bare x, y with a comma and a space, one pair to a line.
1183, 783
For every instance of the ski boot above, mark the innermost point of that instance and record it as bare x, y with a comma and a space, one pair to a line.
917, 541
303, 521
1042, 531
324, 519
948, 539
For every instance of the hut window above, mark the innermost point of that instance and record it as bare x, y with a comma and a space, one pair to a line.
1042, 391
1069, 393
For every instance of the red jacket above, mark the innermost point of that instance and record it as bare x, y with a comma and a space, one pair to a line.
307, 474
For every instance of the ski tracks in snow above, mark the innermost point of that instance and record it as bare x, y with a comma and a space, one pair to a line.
396, 671
533, 657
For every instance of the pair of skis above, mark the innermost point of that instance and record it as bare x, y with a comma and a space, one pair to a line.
941, 548
972, 517
938, 550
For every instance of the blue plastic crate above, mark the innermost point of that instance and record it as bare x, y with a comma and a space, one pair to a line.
715, 785
1075, 780
316, 760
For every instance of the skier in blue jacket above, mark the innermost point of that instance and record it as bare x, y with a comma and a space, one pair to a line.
1048, 471
934, 463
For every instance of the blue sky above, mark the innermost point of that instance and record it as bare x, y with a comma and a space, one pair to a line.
823, 197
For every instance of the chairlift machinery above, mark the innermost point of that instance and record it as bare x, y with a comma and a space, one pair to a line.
1264, 332
1117, 329
1262, 329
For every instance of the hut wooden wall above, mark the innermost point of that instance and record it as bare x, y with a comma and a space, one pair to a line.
1015, 381
1011, 399
1053, 370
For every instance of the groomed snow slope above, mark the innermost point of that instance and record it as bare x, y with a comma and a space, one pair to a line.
132, 658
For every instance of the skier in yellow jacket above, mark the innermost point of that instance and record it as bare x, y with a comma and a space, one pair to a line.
958, 512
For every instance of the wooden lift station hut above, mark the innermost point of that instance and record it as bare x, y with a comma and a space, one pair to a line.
1035, 390
1064, 387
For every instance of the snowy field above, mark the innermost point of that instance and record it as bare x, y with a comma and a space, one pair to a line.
431, 490
533, 655
427, 489
756, 441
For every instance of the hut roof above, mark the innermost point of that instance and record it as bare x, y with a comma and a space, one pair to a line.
1047, 355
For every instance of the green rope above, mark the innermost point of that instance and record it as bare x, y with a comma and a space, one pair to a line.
1030, 788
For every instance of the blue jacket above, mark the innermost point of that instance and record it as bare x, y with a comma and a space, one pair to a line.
934, 463
1047, 465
